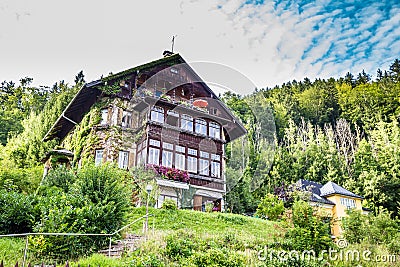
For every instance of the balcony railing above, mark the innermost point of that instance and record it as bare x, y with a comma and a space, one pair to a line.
171, 99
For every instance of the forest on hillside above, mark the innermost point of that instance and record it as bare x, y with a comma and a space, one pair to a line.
344, 130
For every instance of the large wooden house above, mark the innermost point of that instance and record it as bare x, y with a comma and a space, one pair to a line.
162, 115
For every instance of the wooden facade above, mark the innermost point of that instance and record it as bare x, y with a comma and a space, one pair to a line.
165, 115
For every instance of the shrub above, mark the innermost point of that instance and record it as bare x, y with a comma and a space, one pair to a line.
309, 231
22, 180
180, 245
218, 257
169, 204
60, 177
270, 207
96, 203
16, 212
355, 226
376, 229
148, 260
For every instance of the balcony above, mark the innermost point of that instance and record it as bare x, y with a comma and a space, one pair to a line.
174, 99
180, 179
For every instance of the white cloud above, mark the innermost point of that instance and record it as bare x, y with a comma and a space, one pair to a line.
53, 40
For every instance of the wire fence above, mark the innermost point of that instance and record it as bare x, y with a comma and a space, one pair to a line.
110, 235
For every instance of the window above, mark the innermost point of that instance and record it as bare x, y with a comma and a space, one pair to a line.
203, 167
153, 142
187, 122
157, 114
180, 157
201, 126
168, 146
98, 159
215, 157
123, 159
348, 202
167, 158
104, 116
204, 154
213, 111
154, 156
180, 161
192, 164
192, 152
215, 169
180, 149
214, 130
126, 119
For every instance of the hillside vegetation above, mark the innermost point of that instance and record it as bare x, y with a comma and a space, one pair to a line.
344, 130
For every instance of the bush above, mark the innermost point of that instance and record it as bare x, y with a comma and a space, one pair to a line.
180, 245
218, 257
96, 203
60, 177
378, 229
309, 231
22, 180
270, 207
150, 260
355, 226
169, 204
16, 213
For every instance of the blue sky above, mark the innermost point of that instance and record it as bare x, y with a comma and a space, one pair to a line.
270, 42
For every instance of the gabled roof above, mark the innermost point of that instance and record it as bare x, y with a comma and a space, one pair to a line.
89, 94
330, 188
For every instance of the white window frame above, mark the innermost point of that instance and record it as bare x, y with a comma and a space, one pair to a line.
180, 161
187, 122
154, 156
98, 157
192, 164
216, 169
201, 126
349, 203
204, 167
123, 159
167, 157
104, 116
214, 130
157, 114
126, 119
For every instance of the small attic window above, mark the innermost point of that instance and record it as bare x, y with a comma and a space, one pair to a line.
173, 70
213, 111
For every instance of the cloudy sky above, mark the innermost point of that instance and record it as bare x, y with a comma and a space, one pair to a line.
270, 42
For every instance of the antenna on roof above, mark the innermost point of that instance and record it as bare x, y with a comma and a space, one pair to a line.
173, 42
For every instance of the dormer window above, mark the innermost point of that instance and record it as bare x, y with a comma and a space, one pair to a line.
157, 114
